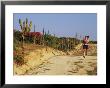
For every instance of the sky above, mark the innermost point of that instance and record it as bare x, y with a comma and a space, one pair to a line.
61, 24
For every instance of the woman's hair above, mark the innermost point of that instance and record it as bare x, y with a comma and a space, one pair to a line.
87, 36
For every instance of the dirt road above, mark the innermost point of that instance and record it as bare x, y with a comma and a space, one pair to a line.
66, 65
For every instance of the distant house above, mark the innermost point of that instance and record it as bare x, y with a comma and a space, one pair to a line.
34, 34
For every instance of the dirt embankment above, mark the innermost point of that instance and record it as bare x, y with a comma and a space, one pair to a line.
35, 58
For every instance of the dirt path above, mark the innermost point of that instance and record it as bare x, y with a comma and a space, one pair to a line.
66, 65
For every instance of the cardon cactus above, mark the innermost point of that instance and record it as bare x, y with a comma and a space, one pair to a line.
25, 27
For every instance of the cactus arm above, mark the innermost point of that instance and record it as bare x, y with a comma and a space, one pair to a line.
20, 22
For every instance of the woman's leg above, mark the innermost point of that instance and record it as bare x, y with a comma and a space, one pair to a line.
84, 51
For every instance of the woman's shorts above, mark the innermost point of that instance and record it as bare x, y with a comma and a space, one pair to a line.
85, 46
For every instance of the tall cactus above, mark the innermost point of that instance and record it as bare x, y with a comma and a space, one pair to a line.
48, 32
76, 38
25, 27
43, 37
34, 35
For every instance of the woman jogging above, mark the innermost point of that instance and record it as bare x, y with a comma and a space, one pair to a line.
85, 45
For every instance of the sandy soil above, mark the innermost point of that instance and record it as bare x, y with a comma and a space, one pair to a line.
66, 65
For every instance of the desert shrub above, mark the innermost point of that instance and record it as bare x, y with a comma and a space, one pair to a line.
18, 59
17, 35
93, 42
29, 39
